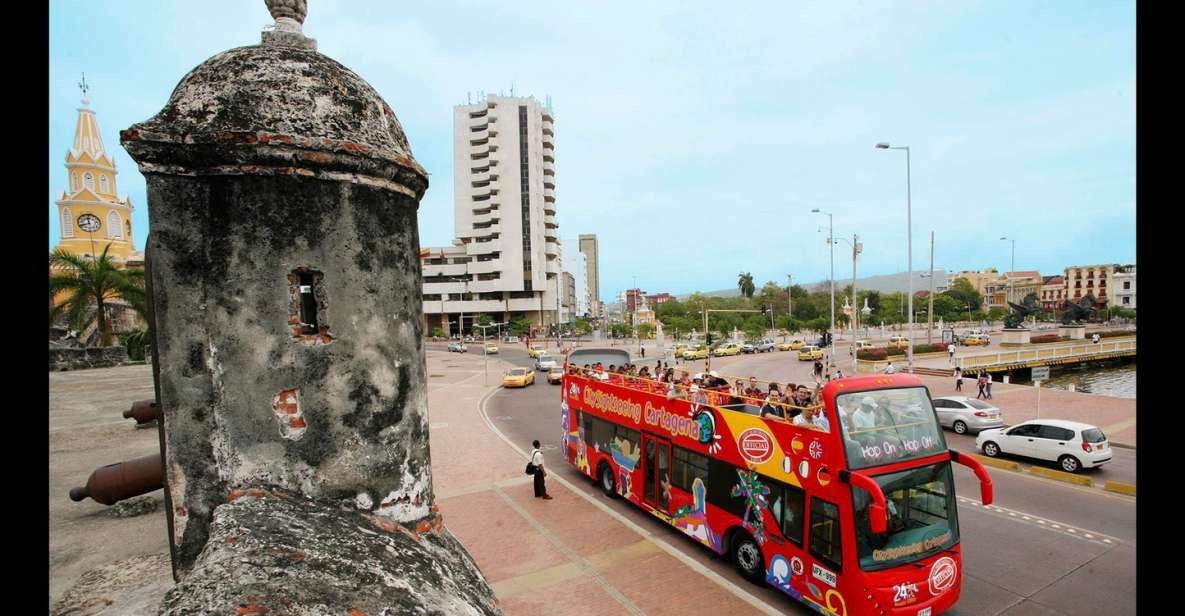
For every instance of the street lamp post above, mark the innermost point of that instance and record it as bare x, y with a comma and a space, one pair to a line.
789, 301
930, 311
1013, 270
908, 240
831, 245
856, 249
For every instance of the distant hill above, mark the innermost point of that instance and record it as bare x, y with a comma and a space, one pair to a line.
887, 283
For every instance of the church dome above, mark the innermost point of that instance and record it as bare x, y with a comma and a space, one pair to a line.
277, 106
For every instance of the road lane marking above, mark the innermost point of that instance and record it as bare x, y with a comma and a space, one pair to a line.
691, 563
1051, 525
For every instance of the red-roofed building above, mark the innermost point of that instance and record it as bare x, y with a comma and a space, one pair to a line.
1053, 292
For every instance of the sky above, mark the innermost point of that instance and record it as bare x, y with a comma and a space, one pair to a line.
694, 142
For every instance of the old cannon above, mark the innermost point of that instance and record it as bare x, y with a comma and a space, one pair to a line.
115, 482
145, 412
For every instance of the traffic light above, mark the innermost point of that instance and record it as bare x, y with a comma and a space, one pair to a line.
764, 310
709, 338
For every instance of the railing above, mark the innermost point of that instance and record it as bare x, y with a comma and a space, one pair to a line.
1084, 350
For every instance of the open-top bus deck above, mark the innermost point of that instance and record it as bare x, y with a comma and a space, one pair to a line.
857, 516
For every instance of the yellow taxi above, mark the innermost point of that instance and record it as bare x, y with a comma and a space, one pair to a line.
898, 342
491, 349
555, 375
536, 350
683, 347
698, 352
785, 346
810, 352
519, 377
975, 340
731, 348
796, 345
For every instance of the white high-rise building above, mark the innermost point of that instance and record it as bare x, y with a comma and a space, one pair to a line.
505, 261
576, 264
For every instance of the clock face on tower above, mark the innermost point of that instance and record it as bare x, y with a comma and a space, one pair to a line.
89, 223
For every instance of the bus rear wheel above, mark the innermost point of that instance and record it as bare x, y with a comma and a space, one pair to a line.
608, 481
746, 555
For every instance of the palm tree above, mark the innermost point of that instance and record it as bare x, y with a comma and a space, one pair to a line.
745, 284
92, 284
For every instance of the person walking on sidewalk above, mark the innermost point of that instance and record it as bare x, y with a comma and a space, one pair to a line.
950, 348
989, 387
537, 460
982, 382
958, 379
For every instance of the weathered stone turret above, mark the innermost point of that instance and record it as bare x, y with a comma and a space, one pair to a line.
283, 262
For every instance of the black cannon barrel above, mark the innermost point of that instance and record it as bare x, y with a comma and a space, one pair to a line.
143, 411
115, 482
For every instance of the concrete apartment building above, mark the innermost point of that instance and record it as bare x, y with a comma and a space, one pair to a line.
1053, 292
1123, 288
592, 274
1090, 279
505, 260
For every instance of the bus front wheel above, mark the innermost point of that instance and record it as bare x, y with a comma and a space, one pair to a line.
608, 481
746, 555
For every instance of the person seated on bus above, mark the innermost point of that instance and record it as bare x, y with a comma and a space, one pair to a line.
772, 407
718, 382
773, 387
698, 396
865, 415
813, 419
737, 392
753, 391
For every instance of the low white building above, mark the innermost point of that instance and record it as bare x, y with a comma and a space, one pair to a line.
1122, 292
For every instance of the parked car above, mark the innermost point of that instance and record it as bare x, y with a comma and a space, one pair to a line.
810, 352
519, 377
748, 347
546, 362
491, 349
767, 345
555, 375
863, 345
1071, 444
536, 350
697, 352
457, 347
963, 414
898, 342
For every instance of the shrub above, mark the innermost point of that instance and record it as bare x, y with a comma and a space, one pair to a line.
929, 348
871, 354
1116, 332
136, 344
1044, 338
894, 351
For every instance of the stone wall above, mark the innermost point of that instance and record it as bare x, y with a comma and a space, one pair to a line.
93, 357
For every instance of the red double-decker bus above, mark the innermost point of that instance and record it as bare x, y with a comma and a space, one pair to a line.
854, 514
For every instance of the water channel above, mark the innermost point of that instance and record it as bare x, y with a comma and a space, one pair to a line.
1116, 378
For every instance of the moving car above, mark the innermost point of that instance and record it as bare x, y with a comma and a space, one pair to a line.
731, 348
491, 349
898, 342
697, 352
963, 414
555, 375
810, 352
766, 346
457, 347
546, 362
975, 340
1073, 445
519, 377
512, 339
536, 350
793, 345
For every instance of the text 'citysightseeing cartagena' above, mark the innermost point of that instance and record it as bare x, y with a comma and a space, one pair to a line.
675, 423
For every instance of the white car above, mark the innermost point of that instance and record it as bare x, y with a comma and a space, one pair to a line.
1071, 444
963, 414
545, 363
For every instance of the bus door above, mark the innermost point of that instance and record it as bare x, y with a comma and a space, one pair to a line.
657, 483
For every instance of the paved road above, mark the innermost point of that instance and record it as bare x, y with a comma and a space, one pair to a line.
1042, 548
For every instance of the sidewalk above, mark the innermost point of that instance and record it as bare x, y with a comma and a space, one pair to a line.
561, 556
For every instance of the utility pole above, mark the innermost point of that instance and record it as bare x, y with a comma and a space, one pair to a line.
855, 309
930, 314
789, 300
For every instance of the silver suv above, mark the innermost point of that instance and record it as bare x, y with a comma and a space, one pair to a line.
546, 363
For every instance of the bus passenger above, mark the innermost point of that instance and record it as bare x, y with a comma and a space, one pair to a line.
772, 406
813, 420
865, 416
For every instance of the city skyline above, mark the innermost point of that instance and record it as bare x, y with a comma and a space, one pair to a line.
1020, 120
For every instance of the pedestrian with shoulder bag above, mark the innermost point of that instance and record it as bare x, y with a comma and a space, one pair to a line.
535, 467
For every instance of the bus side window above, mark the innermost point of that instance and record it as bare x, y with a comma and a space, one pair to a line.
825, 541
792, 518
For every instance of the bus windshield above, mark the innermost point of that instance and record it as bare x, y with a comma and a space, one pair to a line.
888, 425
922, 517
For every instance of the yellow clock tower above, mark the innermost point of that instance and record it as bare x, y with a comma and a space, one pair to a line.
91, 213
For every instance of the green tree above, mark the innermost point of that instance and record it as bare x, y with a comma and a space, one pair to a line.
92, 283
963, 294
619, 329
520, 327
583, 327
438, 332
946, 307
745, 284
645, 330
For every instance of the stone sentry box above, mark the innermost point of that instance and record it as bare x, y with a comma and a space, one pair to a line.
286, 282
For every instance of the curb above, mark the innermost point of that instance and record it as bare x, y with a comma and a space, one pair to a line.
1004, 464
1061, 476
1122, 445
1121, 488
